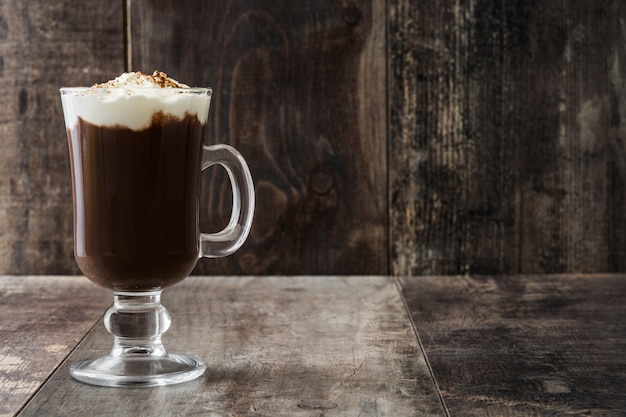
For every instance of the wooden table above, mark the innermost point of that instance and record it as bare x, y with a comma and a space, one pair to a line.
333, 346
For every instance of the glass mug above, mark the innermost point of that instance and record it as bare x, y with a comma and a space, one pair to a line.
136, 158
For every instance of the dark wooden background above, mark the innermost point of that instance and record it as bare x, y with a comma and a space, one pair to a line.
403, 137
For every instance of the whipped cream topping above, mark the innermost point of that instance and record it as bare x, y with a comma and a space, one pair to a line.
132, 100
138, 79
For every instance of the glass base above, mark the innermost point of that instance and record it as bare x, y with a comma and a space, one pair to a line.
138, 371
138, 358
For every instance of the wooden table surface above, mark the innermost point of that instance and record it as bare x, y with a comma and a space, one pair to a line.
333, 346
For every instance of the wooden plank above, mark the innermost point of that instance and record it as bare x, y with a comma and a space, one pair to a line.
286, 346
524, 346
299, 89
41, 321
44, 45
507, 136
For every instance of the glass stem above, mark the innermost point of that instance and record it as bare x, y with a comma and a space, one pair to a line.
137, 320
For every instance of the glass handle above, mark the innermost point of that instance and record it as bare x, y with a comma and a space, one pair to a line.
227, 241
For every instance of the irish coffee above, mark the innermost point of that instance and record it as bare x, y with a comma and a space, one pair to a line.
136, 152
136, 148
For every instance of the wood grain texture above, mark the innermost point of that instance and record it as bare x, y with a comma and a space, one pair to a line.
306, 346
507, 136
299, 89
524, 346
505, 151
41, 321
44, 45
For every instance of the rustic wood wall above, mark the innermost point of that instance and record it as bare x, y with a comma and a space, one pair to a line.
300, 91
43, 45
507, 136
384, 136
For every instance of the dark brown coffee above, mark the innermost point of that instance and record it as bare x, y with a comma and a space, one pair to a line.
135, 202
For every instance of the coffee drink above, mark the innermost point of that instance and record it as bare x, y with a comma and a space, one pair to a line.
136, 211
136, 161
136, 153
